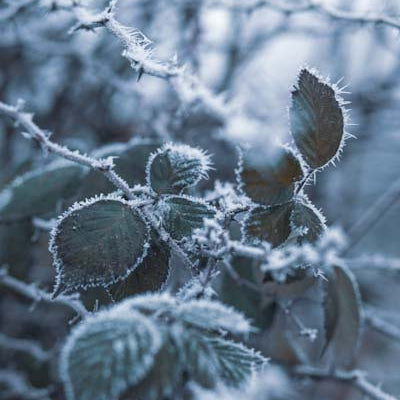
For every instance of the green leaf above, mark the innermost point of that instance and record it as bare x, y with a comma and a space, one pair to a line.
308, 221
130, 163
150, 275
176, 167
260, 311
213, 316
271, 181
40, 191
181, 215
271, 224
316, 120
342, 313
236, 363
98, 242
107, 353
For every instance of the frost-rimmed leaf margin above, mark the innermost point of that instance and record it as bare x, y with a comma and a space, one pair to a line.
192, 153
6, 195
57, 262
304, 233
213, 315
342, 105
120, 313
164, 209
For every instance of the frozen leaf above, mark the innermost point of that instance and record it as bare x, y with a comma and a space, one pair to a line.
236, 362
316, 120
270, 182
150, 275
245, 299
182, 214
271, 224
40, 191
174, 168
308, 221
108, 353
342, 313
98, 242
212, 315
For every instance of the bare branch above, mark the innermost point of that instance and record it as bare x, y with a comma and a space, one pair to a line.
26, 346
313, 6
34, 293
354, 377
380, 325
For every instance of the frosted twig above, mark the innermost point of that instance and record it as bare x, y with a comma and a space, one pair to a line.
373, 214
103, 165
313, 6
23, 345
34, 293
380, 325
374, 262
15, 385
138, 52
354, 377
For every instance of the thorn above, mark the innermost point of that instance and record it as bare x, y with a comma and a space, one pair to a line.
140, 74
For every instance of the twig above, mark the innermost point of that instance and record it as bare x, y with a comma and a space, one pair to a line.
354, 377
380, 325
34, 293
374, 214
26, 346
374, 262
313, 6
103, 165
15, 385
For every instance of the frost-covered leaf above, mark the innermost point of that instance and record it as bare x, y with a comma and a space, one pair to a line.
130, 163
308, 221
271, 181
108, 353
316, 120
150, 275
236, 361
174, 168
342, 313
271, 224
182, 214
40, 191
244, 299
98, 242
212, 315
151, 302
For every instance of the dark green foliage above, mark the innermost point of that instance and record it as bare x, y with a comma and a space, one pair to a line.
98, 243
308, 221
38, 192
130, 163
150, 275
181, 215
271, 182
175, 168
316, 120
271, 224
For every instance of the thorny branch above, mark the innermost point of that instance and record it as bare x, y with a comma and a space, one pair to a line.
354, 377
104, 165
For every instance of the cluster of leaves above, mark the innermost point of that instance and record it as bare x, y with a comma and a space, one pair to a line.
151, 347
